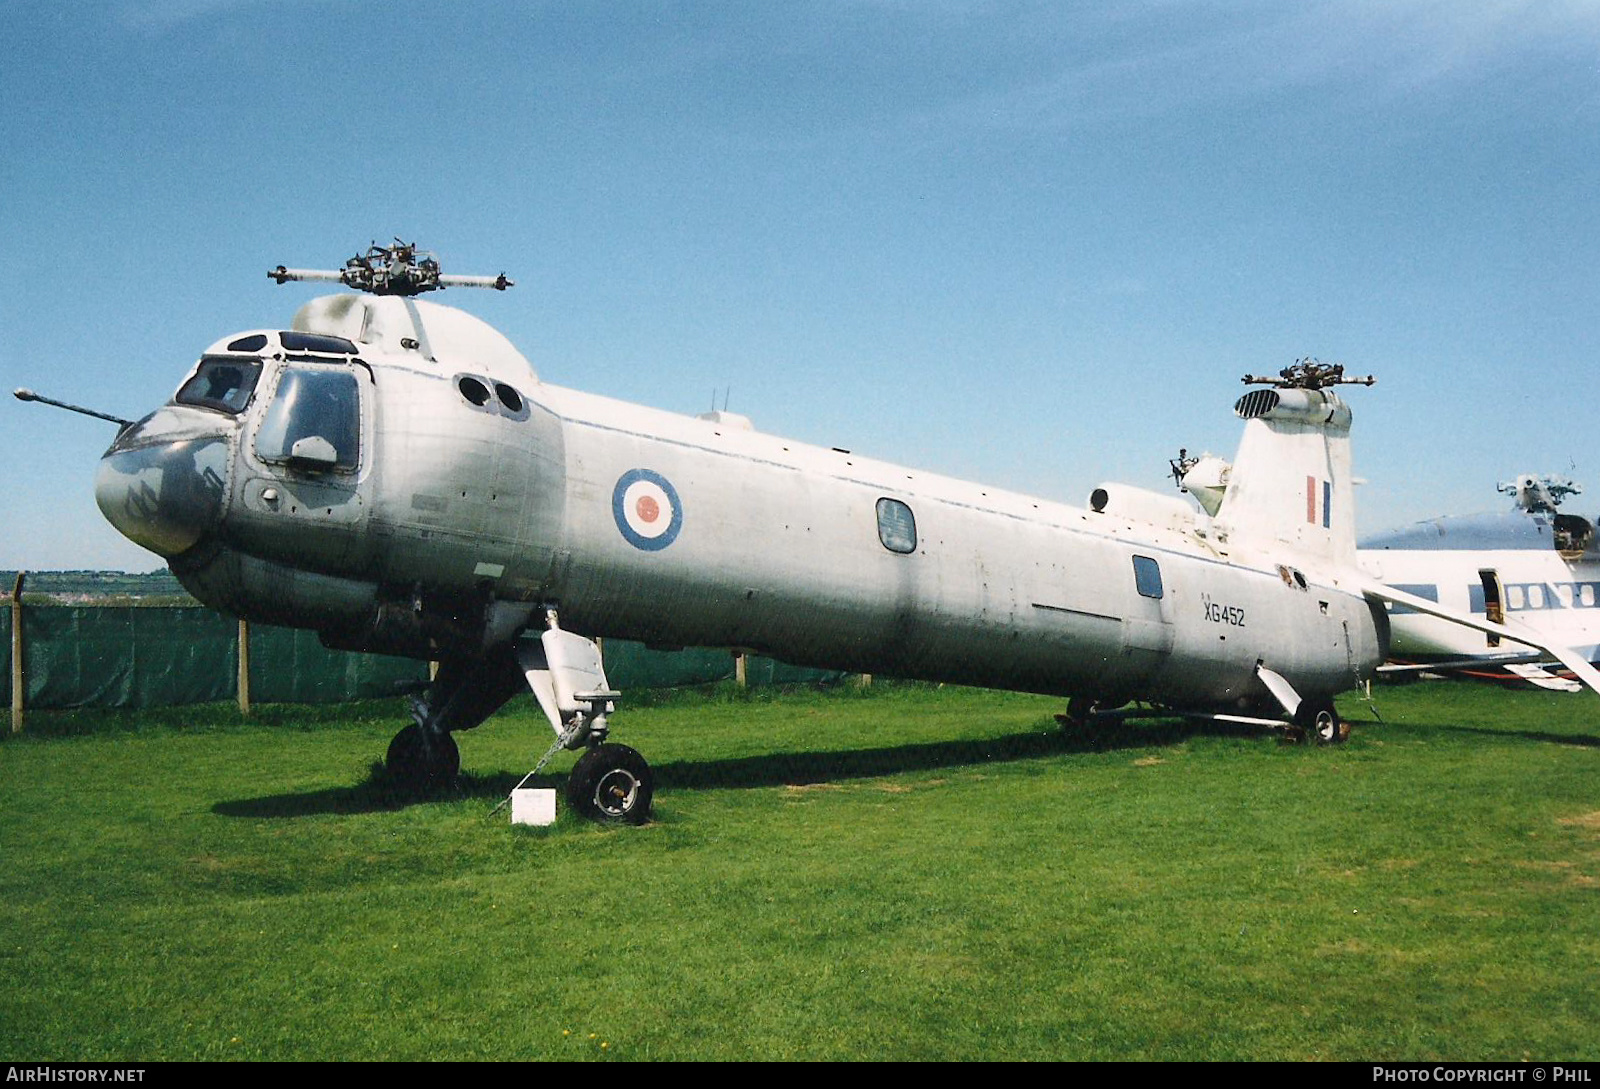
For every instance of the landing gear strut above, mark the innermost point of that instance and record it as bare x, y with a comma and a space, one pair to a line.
423, 757
564, 671
610, 782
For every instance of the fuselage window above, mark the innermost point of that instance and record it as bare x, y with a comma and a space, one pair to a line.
1147, 576
221, 383
313, 404
897, 527
252, 343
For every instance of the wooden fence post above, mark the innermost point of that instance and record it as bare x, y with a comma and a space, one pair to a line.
739, 675
17, 678
244, 667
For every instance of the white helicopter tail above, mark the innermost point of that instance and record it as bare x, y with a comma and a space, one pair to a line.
1290, 489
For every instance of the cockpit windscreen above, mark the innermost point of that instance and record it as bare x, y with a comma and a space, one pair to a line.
224, 383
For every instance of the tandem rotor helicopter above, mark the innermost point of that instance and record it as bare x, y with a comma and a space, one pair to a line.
1534, 561
394, 475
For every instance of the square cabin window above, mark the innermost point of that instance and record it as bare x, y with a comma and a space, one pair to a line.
1147, 576
897, 528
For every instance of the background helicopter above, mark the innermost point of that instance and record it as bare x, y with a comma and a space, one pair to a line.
1533, 562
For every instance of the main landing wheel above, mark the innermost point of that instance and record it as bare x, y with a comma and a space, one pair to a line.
1084, 721
1079, 710
613, 784
420, 762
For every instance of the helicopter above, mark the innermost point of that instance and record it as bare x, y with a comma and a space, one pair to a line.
1533, 561
393, 474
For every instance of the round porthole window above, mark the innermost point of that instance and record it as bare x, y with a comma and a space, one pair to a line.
473, 390
508, 397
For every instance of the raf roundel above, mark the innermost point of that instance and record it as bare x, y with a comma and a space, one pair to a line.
647, 510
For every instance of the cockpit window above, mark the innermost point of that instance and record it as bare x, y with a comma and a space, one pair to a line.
314, 418
315, 342
222, 383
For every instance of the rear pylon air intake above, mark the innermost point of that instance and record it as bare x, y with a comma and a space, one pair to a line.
1258, 402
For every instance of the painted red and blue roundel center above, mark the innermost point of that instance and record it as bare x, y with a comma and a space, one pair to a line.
647, 510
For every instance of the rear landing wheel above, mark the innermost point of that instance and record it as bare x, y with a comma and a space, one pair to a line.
612, 784
420, 762
1322, 722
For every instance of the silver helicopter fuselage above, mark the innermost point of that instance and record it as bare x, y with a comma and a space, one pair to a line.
394, 475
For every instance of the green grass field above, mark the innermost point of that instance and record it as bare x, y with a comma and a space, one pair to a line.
910, 873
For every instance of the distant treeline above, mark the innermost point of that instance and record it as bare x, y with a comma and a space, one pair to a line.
94, 585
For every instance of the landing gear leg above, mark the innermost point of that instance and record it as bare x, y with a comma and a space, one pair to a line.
423, 757
610, 782
1314, 718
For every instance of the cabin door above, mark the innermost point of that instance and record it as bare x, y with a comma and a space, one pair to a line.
311, 457
1147, 634
1493, 599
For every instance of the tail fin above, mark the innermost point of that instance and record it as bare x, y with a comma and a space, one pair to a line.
1291, 484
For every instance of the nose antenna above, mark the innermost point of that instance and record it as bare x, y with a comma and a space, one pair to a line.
400, 269
29, 395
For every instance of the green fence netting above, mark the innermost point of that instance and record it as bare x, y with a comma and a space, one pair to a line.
133, 656
632, 665
291, 666
126, 657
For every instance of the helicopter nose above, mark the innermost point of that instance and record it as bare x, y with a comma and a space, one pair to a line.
163, 492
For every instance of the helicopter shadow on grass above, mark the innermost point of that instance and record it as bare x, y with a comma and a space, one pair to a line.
806, 768
1582, 741
376, 793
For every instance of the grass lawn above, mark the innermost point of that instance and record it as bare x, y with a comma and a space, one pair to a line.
909, 873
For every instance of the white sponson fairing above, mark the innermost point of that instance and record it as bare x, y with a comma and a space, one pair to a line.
482, 496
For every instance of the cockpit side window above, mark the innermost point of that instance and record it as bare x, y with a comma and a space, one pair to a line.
223, 383
313, 403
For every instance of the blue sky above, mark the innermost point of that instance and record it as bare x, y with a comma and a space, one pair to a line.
1029, 244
